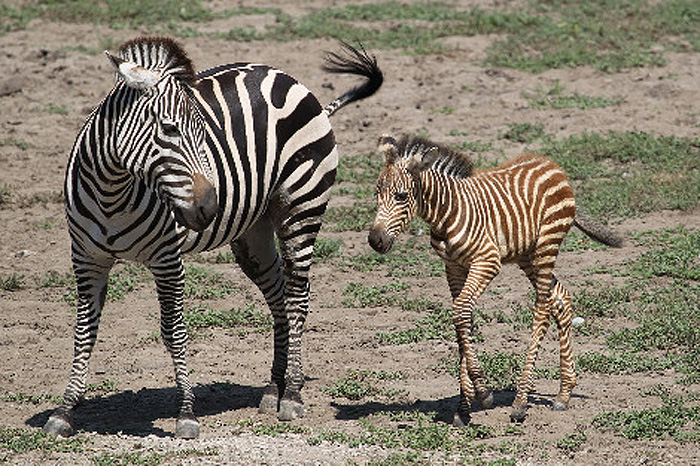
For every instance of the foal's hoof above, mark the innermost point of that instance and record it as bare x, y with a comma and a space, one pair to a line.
59, 424
461, 419
187, 428
291, 407
559, 406
517, 413
485, 399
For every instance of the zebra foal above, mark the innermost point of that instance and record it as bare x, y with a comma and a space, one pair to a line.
518, 212
172, 162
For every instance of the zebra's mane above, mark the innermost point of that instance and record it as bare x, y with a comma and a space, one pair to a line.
449, 162
159, 54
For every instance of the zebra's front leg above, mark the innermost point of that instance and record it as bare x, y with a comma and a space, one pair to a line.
170, 283
466, 285
257, 256
91, 280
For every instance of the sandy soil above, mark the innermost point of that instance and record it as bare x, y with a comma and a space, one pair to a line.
43, 68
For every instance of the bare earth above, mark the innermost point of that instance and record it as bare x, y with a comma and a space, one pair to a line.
42, 67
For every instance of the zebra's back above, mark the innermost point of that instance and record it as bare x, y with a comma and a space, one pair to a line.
518, 203
268, 142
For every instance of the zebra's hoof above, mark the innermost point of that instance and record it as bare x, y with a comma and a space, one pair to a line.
461, 419
559, 405
291, 407
59, 424
518, 413
485, 399
270, 400
187, 428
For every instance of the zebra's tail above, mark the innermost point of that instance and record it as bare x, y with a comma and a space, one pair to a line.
598, 232
353, 61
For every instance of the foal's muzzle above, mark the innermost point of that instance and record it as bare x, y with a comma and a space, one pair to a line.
380, 240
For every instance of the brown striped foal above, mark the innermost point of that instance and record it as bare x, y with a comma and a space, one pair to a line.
518, 212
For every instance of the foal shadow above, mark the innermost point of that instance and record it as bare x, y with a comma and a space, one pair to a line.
134, 413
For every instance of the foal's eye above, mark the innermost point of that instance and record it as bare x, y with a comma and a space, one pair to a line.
170, 129
400, 197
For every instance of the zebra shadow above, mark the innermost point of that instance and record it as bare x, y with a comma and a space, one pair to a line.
443, 408
135, 413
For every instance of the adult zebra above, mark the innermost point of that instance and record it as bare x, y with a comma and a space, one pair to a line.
172, 162
518, 212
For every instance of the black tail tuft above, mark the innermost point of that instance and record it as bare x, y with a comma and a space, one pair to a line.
358, 62
598, 232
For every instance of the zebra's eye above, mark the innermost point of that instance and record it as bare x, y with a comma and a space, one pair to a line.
400, 197
170, 129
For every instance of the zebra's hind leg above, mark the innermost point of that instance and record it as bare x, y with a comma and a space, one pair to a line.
91, 282
257, 256
169, 276
563, 315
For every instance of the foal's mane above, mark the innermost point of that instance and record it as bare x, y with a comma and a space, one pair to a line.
449, 161
160, 54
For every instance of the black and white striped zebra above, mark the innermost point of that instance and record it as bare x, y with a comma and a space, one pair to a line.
172, 162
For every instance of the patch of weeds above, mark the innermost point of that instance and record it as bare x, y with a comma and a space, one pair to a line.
573, 442
327, 248
601, 301
26, 440
203, 283
5, 195
57, 109
272, 430
679, 258
629, 173
22, 398
358, 217
410, 258
125, 279
14, 282
621, 363
361, 295
242, 319
22, 145
358, 384
437, 325
473, 146
674, 419
106, 386
524, 132
555, 98
359, 169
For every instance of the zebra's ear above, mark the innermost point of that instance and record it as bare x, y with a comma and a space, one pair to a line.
422, 160
387, 149
134, 76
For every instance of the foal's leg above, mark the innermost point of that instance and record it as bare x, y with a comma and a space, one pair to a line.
562, 313
466, 285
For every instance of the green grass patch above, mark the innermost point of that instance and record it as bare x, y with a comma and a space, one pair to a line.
630, 173
555, 98
241, 319
17, 441
359, 384
204, 283
13, 282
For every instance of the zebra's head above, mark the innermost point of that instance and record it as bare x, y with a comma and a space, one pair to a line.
398, 189
160, 137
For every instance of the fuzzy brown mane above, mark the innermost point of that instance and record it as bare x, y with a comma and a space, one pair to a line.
449, 161
161, 54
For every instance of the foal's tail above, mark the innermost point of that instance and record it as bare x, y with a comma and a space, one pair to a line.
353, 61
598, 232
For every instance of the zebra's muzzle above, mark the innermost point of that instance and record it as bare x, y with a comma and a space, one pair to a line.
203, 209
380, 240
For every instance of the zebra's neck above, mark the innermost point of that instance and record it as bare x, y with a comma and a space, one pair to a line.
437, 199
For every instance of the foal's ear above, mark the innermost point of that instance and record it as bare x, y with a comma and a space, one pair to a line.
386, 146
134, 76
422, 160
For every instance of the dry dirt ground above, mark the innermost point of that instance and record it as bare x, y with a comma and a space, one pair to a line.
43, 68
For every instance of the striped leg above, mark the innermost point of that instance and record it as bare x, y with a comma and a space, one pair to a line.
257, 256
170, 284
466, 285
91, 279
540, 272
562, 313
